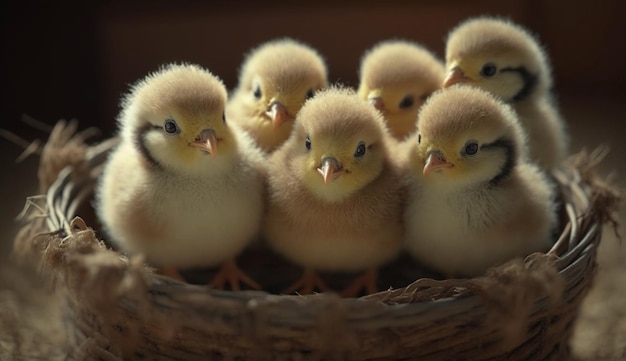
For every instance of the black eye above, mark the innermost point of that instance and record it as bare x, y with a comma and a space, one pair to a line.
307, 143
406, 102
257, 91
224, 117
488, 70
309, 94
419, 139
170, 127
470, 149
360, 150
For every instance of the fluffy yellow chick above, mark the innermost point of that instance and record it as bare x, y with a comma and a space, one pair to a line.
396, 77
335, 197
183, 187
506, 60
275, 80
475, 201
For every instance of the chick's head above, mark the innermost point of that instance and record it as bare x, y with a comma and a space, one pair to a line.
337, 144
396, 77
498, 56
176, 117
278, 77
466, 136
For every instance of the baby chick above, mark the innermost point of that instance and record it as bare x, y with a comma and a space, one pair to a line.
183, 187
504, 59
275, 80
335, 197
396, 77
475, 201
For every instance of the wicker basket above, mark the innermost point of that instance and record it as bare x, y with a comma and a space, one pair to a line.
118, 308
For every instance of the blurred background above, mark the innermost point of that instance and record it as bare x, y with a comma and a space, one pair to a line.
63, 62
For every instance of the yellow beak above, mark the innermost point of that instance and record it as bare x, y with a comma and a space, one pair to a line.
206, 141
455, 76
278, 114
377, 102
330, 170
434, 162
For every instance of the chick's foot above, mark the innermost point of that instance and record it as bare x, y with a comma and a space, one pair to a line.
307, 283
365, 281
231, 273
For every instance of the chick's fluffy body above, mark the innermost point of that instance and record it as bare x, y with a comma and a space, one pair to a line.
484, 210
524, 79
394, 70
353, 223
284, 70
160, 197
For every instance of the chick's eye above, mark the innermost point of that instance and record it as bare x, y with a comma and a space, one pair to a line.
488, 70
223, 117
257, 91
406, 102
470, 149
360, 150
419, 139
170, 127
307, 143
309, 94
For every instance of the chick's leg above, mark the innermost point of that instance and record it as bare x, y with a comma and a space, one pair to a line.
365, 281
307, 283
172, 272
231, 273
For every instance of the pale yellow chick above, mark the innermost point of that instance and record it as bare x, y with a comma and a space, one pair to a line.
183, 187
275, 80
506, 60
335, 201
475, 199
396, 77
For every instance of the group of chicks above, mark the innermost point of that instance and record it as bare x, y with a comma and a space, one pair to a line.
338, 180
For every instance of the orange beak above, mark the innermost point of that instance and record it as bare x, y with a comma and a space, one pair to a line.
455, 76
330, 170
377, 102
435, 161
206, 141
278, 114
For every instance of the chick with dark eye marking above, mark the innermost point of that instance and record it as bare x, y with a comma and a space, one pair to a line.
396, 77
183, 187
335, 201
506, 60
475, 199
276, 79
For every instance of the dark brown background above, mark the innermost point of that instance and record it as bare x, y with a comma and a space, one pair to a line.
74, 62
60, 61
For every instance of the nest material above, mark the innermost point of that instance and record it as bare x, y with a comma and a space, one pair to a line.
117, 308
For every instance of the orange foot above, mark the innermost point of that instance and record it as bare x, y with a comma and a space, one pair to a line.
172, 272
365, 281
307, 283
231, 273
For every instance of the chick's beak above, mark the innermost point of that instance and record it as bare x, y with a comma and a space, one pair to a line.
435, 161
455, 76
206, 141
377, 102
330, 169
278, 114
